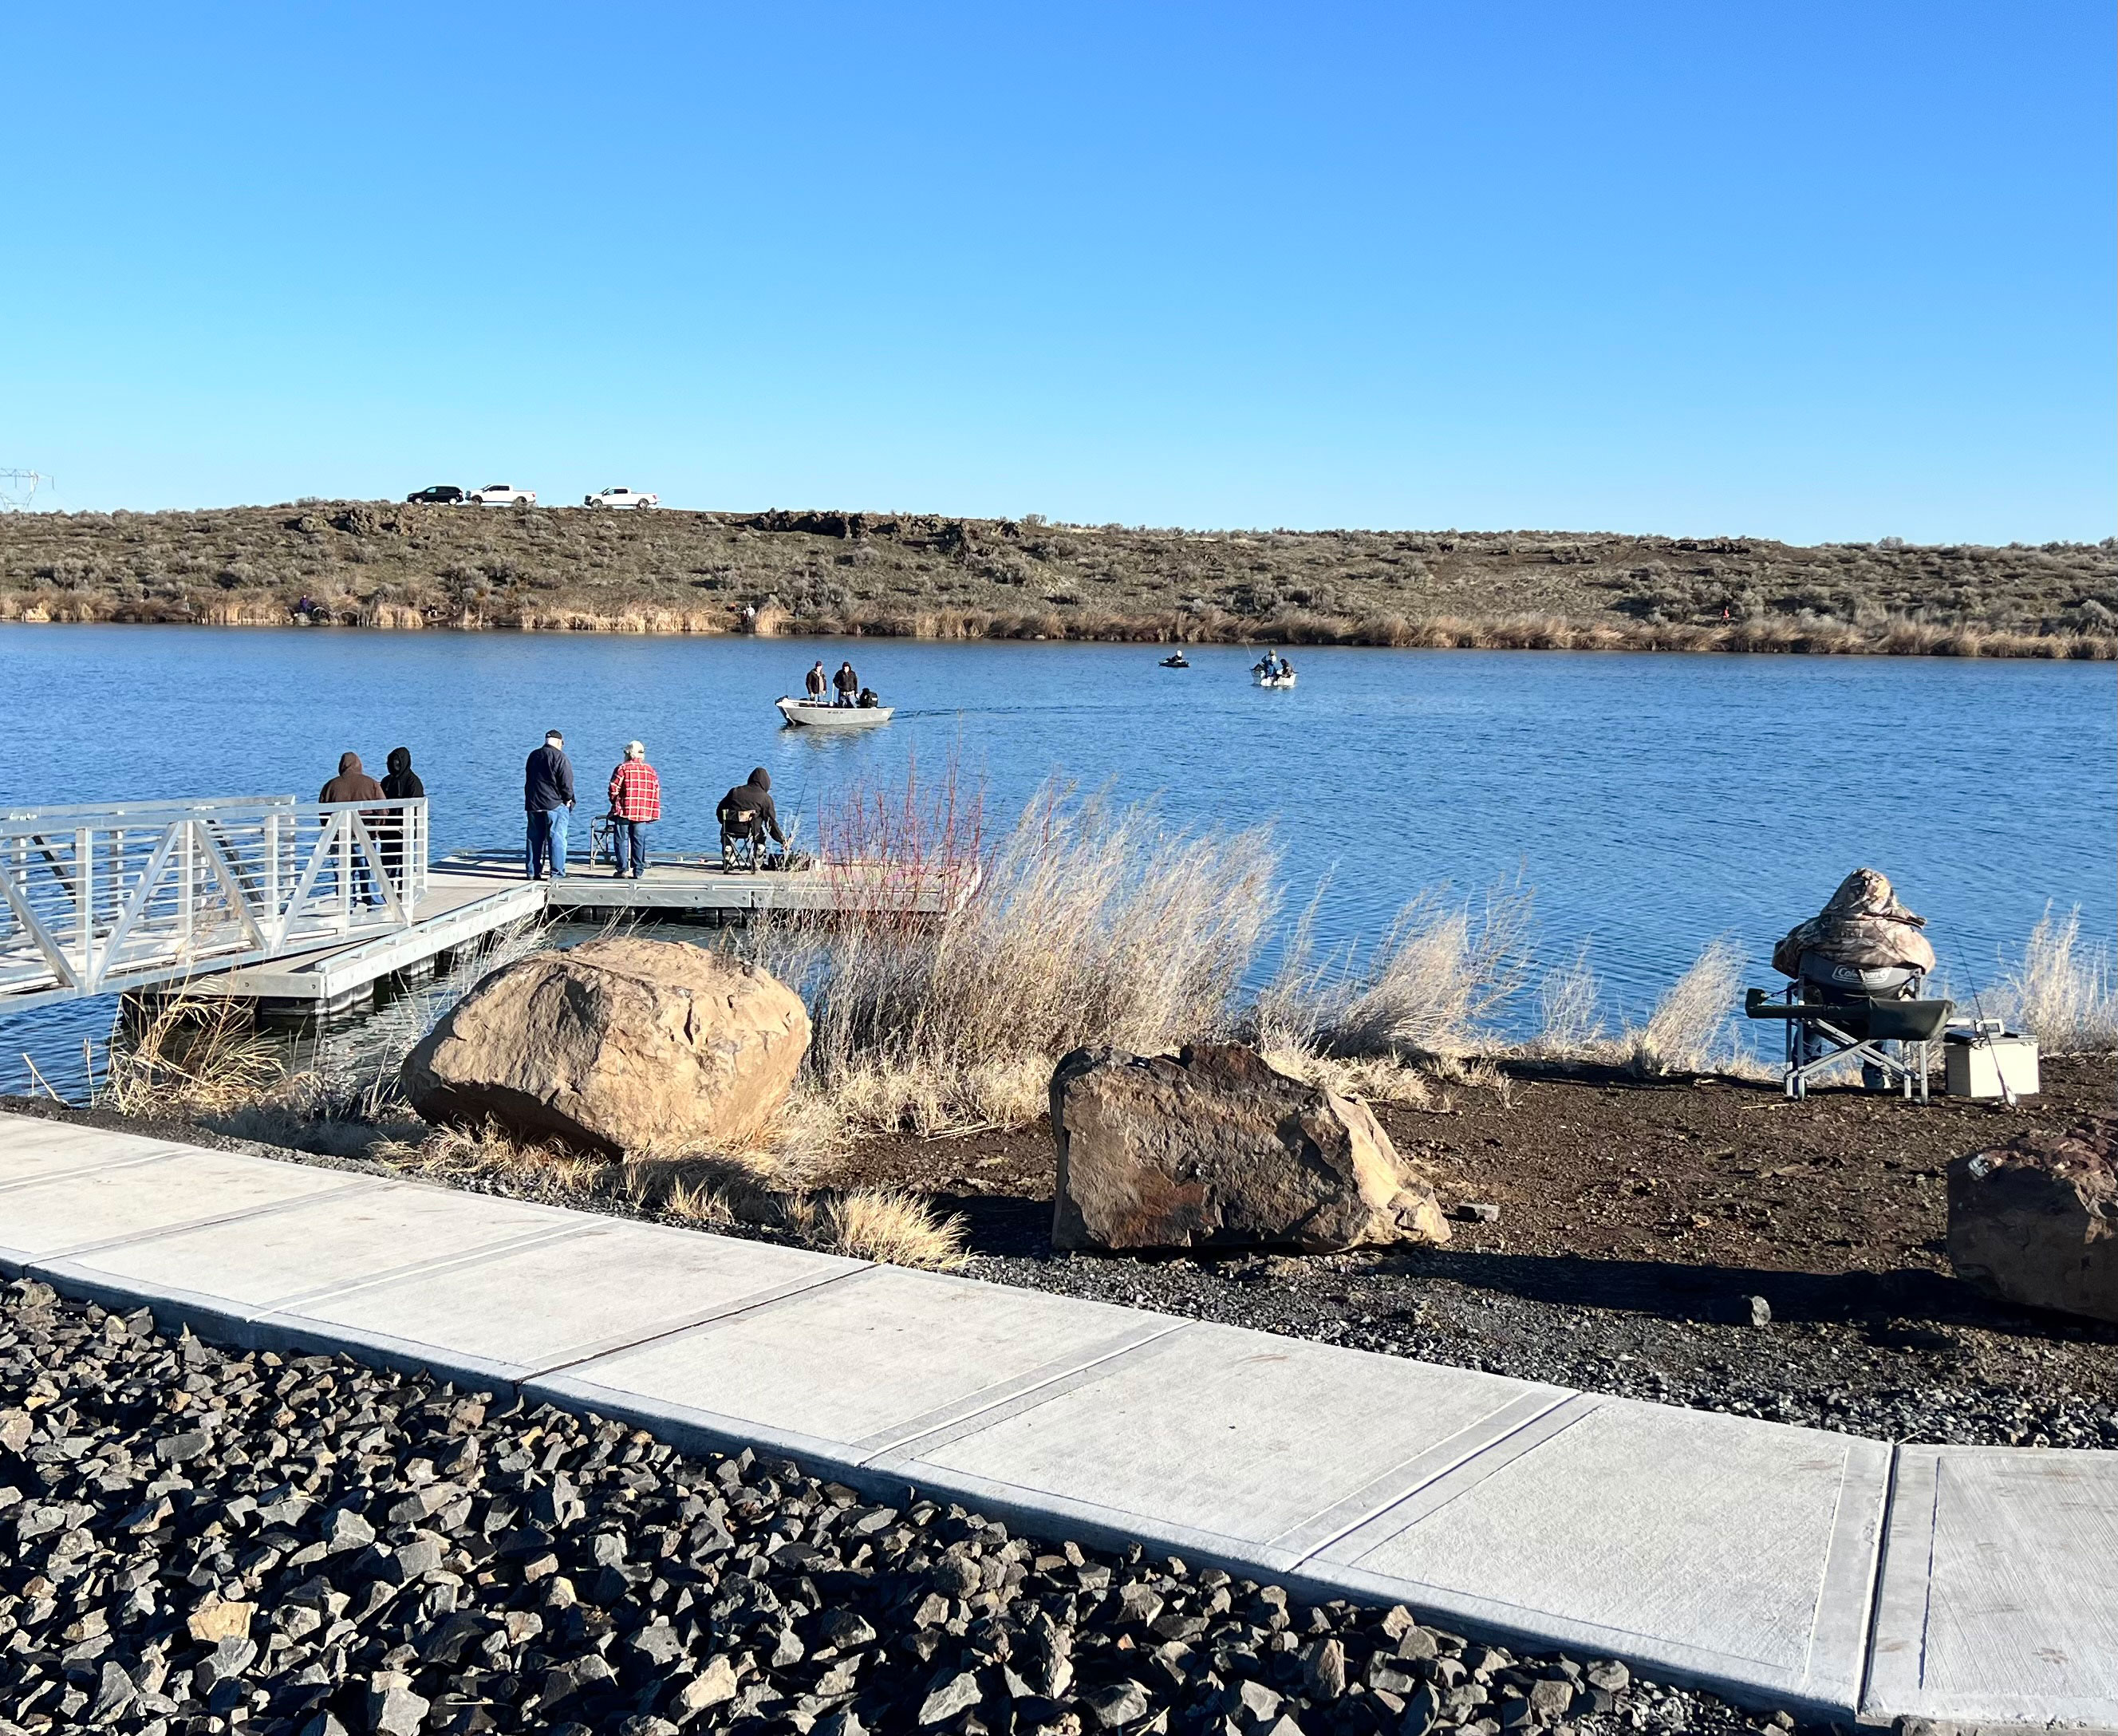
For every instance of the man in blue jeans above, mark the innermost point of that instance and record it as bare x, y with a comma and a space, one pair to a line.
547, 796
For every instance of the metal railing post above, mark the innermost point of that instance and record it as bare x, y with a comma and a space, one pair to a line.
84, 874
277, 929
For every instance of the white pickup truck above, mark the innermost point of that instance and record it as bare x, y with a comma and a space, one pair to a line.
501, 494
627, 497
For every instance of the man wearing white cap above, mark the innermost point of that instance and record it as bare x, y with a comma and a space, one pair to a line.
636, 803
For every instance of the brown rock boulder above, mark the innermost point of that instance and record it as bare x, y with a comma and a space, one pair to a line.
2036, 1221
615, 1046
1215, 1147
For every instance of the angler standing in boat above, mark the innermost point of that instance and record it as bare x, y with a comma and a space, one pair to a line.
819, 684
847, 682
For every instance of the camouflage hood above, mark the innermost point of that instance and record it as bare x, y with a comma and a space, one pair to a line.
1862, 925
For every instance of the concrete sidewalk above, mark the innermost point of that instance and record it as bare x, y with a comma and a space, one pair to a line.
1831, 1574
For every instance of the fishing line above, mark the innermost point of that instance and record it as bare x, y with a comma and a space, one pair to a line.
1979, 1034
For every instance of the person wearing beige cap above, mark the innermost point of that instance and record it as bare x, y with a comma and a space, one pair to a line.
636, 803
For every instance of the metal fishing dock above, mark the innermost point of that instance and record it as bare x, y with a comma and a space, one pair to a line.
305, 908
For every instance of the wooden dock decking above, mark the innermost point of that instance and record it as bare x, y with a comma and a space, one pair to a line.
474, 892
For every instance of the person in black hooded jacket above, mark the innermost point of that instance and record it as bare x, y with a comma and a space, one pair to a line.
747, 813
401, 784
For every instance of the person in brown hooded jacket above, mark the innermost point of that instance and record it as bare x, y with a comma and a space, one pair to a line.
354, 784
351, 784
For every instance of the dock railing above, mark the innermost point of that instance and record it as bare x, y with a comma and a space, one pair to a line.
111, 896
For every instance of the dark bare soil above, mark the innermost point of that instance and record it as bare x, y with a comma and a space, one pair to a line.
1637, 1222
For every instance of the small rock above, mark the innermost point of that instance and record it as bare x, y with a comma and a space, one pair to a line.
848, 1631
1609, 1674
1323, 1669
712, 1685
215, 1621
957, 1694
1118, 1704
1476, 1211
1758, 1311
659, 1643
114, 1692
397, 1711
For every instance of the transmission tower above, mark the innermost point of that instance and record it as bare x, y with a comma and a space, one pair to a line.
19, 488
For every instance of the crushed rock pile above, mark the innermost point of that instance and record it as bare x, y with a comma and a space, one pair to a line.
196, 1540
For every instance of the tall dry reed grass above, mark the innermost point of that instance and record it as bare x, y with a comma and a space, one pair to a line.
1088, 923
186, 1054
2063, 993
1442, 975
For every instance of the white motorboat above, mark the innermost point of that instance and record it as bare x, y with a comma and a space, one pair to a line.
812, 716
1272, 675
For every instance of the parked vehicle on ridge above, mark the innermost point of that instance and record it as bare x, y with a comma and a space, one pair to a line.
501, 494
441, 494
630, 497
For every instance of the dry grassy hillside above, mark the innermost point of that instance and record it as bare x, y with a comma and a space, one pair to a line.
376, 564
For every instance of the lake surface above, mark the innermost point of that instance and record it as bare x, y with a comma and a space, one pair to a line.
1653, 802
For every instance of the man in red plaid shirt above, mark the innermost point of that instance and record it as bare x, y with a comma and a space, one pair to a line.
636, 803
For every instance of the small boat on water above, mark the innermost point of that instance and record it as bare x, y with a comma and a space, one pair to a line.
809, 715
1264, 680
1175, 661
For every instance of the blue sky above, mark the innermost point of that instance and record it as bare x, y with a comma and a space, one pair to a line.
1809, 272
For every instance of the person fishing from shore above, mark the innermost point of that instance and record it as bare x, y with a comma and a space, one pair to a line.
547, 798
636, 803
354, 784
747, 815
847, 682
818, 684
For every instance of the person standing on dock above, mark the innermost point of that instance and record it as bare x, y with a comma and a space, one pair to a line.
847, 682
354, 784
400, 783
636, 803
547, 796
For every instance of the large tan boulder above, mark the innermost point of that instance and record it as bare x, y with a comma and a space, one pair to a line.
1215, 1147
2036, 1221
615, 1046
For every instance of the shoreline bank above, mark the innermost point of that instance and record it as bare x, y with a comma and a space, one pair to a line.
1768, 638
379, 564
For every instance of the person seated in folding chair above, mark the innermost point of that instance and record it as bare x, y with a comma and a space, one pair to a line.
748, 818
1860, 962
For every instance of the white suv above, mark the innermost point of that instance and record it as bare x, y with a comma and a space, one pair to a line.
500, 494
620, 498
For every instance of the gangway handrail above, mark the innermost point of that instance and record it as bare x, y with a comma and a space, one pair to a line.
98, 898
47, 811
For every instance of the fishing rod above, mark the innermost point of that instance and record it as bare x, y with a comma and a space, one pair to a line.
1979, 1034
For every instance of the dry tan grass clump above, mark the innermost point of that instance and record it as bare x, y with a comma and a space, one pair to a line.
489, 1153
747, 1190
2062, 993
191, 1055
1688, 1032
1435, 986
893, 1225
1089, 924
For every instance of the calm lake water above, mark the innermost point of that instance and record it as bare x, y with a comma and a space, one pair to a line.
1653, 802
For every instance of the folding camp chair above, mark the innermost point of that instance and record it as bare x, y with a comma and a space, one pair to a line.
1821, 1032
